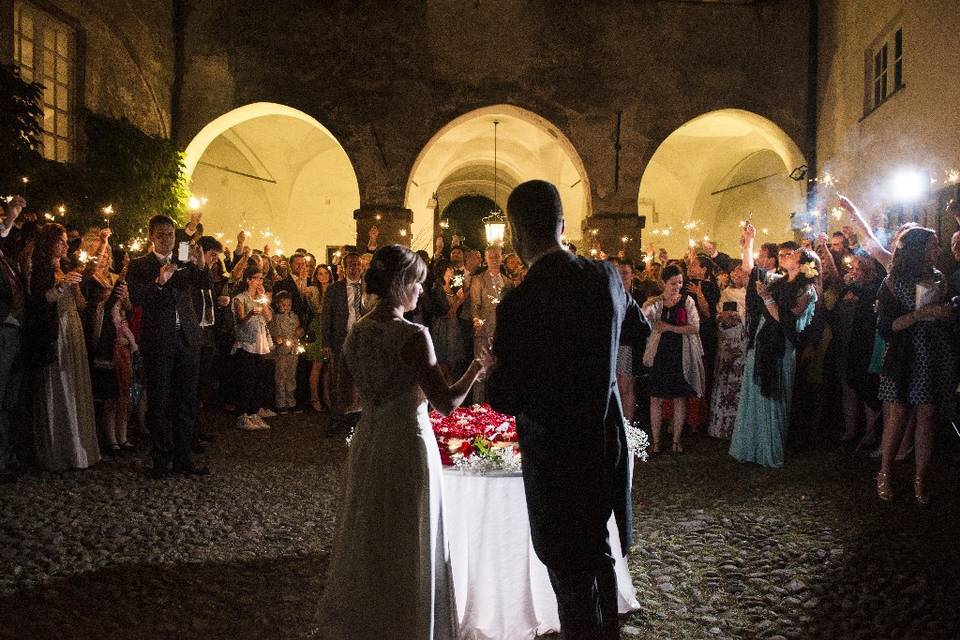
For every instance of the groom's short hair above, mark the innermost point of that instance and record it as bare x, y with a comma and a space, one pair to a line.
535, 207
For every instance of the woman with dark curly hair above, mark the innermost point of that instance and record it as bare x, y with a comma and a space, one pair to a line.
918, 373
64, 424
779, 308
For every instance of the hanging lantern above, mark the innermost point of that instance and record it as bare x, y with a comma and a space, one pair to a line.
495, 225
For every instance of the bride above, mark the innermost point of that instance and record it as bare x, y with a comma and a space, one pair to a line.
389, 566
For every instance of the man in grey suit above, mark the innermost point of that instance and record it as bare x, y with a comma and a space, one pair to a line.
556, 350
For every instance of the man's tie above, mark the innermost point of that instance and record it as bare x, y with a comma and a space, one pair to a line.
357, 299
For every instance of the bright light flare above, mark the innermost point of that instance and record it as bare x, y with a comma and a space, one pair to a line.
909, 185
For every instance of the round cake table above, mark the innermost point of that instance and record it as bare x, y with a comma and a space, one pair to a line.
502, 589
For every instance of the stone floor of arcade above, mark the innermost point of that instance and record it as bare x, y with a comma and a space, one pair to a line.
722, 550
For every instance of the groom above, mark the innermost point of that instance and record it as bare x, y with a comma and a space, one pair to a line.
555, 347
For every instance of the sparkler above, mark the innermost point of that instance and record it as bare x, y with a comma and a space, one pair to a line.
62, 210
263, 299
194, 203
49, 217
107, 212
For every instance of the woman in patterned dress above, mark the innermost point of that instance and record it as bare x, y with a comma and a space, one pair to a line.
731, 349
918, 373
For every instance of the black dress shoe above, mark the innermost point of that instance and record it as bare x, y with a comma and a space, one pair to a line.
8, 477
207, 438
192, 470
198, 448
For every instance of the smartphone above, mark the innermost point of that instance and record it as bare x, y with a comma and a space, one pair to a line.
183, 253
730, 305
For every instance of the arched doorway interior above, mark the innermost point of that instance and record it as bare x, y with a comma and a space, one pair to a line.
459, 159
711, 173
465, 217
278, 173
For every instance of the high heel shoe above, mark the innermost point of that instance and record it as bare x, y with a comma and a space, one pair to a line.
884, 488
920, 493
677, 447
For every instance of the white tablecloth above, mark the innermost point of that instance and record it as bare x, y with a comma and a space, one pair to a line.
503, 591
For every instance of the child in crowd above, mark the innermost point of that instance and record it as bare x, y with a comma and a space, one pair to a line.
286, 331
252, 311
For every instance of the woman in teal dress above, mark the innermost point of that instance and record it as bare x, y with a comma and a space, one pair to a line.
780, 308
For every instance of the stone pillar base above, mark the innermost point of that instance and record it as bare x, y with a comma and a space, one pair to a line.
393, 222
605, 231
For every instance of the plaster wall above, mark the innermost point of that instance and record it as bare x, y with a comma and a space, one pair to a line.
917, 126
384, 77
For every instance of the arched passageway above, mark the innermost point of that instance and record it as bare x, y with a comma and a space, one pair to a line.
459, 160
278, 172
711, 172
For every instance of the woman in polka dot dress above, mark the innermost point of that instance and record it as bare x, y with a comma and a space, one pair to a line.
918, 372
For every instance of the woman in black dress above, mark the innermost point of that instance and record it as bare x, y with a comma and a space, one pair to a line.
674, 355
918, 374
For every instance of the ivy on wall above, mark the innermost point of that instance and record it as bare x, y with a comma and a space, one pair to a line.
138, 174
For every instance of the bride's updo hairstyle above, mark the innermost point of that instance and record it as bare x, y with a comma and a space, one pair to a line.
393, 269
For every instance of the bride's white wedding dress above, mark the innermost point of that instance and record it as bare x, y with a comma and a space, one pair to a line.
389, 572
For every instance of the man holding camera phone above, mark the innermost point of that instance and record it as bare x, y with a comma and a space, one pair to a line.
170, 343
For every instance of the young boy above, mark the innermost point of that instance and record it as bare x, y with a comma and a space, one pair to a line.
286, 331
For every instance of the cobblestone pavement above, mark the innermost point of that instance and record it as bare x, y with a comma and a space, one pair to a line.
723, 550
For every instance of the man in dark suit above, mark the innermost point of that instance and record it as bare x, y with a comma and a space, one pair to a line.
295, 283
555, 371
170, 344
12, 301
343, 308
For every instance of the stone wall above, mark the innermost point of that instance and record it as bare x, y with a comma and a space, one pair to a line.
916, 127
127, 49
397, 71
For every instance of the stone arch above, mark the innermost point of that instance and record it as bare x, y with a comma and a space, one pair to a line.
277, 171
714, 169
458, 160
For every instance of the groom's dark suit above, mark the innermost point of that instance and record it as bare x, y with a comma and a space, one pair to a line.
556, 346
170, 344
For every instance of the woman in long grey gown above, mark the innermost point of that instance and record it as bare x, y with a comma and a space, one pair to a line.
389, 566
65, 426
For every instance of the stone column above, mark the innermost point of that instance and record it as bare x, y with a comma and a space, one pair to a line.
393, 222
609, 228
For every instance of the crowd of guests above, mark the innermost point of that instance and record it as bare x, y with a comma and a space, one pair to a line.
736, 347
110, 344
100, 346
